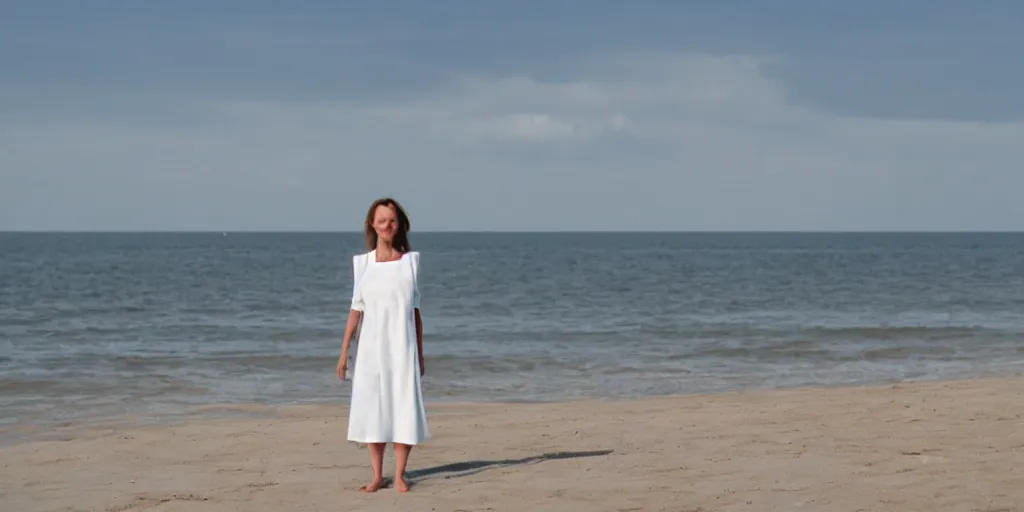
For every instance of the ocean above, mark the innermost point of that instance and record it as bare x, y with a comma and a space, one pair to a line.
99, 325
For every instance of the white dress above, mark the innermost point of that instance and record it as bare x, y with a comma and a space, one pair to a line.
387, 400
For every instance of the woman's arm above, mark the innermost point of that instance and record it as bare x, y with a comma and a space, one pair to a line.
355, 312
350, 329
419, 338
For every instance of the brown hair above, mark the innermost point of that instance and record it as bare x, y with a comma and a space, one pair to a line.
401, 242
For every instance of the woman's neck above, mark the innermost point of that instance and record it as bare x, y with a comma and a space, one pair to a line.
385, 251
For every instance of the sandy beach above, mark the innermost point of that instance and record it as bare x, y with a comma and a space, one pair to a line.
935, 446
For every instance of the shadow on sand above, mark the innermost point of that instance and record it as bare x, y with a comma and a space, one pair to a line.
473, 467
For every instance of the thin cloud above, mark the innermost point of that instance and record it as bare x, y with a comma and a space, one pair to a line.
690, 141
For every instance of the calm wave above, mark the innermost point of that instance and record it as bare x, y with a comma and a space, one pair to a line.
102, 324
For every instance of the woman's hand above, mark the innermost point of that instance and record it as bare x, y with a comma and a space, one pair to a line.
342, 367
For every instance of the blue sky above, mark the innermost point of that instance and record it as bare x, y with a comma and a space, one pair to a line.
746, 115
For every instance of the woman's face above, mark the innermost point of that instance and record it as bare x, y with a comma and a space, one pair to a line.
385, 222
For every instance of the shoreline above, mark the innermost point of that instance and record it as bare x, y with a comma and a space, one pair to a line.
925, 445
92, 426
20, 431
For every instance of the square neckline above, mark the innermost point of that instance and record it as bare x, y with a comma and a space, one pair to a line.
373, 258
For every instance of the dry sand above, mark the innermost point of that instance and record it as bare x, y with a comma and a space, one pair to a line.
939, 446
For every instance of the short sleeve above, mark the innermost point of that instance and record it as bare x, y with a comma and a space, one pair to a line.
358, 265
414, 260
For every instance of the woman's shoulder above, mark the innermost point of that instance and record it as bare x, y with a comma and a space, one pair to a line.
362, 258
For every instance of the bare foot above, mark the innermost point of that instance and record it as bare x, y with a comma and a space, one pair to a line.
401, 485
373, 486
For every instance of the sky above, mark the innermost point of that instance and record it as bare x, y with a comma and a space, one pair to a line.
519, 115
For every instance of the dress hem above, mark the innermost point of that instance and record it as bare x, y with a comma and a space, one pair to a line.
390, 440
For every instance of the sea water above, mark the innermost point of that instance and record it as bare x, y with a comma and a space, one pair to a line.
96, 324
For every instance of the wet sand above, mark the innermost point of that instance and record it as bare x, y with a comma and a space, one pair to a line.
936, 446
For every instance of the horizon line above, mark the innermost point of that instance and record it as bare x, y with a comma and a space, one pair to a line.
512, 231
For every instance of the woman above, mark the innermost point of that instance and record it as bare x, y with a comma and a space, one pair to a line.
387, 400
